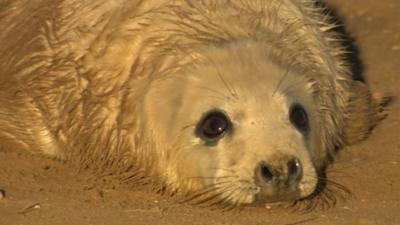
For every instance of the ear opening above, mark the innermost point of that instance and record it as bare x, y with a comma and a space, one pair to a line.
364, 111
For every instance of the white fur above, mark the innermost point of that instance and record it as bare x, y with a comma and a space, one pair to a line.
124, 82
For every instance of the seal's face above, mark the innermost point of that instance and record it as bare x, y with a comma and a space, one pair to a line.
235, 127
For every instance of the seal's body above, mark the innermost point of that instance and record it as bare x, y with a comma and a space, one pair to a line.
234, 101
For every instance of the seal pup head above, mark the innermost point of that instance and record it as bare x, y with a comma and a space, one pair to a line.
235, 126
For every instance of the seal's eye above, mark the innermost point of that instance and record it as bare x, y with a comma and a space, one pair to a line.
213, 126
298, 117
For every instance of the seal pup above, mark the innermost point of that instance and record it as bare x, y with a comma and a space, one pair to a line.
236, 102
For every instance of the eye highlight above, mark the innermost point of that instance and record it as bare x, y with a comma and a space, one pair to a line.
298, 117
213, 126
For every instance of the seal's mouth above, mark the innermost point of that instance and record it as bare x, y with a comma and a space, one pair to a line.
282, 197
278, 193
282, 179
270, 183
237, 191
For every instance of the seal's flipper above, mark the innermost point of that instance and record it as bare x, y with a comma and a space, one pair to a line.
365, 110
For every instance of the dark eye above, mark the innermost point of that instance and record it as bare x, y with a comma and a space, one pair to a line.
213, 126
298, 117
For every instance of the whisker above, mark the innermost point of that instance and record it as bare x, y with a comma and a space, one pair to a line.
281, 80
216, 178
221, 94
230, 88
326, 195
208, 189
227, 198
284, 91
224, 169
218, 192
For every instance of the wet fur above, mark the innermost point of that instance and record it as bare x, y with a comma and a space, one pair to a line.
73, 74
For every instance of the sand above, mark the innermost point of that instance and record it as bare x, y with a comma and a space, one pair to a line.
35, 190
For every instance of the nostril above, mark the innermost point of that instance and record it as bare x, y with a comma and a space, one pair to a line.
265, 172
294, 169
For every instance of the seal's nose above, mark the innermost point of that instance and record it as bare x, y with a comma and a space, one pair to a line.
286, 171
265, 173
294, 170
